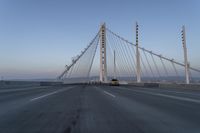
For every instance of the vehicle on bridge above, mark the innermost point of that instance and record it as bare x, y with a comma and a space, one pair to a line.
114, 82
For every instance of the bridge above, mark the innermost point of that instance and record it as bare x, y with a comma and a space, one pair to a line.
131, 63
157, 94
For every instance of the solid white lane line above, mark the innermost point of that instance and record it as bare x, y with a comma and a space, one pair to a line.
168, 96
44, 95
177, 97
109, 94
48, 94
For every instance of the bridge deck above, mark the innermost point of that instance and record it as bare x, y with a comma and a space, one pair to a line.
98, 109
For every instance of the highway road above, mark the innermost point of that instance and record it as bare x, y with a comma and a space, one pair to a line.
99, 109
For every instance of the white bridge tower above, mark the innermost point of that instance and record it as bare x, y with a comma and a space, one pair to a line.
103, 64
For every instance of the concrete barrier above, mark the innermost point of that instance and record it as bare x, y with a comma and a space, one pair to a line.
167, 85
50, 83
24, 84
17, 84
180, 86
144, 84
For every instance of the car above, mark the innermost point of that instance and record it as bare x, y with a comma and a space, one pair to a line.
114, 82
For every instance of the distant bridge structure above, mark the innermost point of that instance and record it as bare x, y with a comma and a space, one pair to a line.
133, 63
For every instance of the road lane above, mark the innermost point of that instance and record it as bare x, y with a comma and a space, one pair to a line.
51, 114
107, 109
188, 93
186, 112
16, 94
12, 100
173, 94
101, 115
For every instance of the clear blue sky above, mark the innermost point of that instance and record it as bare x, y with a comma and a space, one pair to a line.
38, 37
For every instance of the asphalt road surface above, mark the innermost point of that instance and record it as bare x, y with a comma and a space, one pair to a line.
99, 109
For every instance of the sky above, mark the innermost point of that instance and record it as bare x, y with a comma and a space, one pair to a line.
39, 37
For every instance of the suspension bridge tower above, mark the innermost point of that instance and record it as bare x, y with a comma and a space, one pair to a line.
138, 68
103, 64
187, 76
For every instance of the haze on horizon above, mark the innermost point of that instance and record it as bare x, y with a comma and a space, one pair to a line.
39, 37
